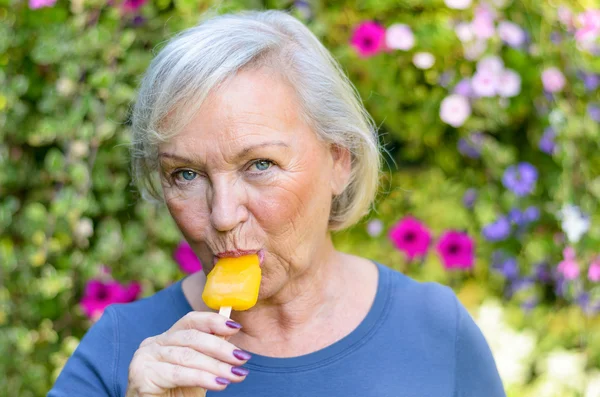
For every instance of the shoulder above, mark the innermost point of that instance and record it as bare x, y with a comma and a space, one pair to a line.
430, 303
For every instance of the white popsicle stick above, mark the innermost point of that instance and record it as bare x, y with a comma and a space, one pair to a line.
225, 311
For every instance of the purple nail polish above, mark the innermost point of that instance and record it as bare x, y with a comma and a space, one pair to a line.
222, 381
233, 324
241, 355
240, 371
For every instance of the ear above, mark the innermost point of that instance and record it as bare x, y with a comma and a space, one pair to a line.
342, 167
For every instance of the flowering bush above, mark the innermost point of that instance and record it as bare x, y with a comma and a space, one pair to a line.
489, 111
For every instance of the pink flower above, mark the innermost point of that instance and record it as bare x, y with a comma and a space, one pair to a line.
423, 60
455, 110
553, 80
399, 37
569, 267
509, 84
484, 83
458, 4
491, 63
411, 237
187, 259
133, 5
35, 4
594, 271
483, 23
98, 295
511, 33
368, 38
589, 26
457, 250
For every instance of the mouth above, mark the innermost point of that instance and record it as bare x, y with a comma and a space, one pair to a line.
238, 253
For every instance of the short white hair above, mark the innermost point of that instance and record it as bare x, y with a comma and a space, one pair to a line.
200, 58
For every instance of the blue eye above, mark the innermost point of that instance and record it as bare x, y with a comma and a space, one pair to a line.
188, 175
262, 165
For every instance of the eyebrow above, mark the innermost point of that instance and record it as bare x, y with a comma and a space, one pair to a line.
241, 153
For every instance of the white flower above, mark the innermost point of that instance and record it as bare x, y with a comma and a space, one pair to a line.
454, 110
593, 385
565, 367
399, 37
475, 49
458, 4
374, 227
509, 84
84, 228
574, 223
423, 60
511, 33
464, 32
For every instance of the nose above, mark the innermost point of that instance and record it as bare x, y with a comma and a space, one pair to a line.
227, 205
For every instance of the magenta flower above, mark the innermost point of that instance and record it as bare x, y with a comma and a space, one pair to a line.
411, 237
35, 4
368, 38
99, 294
569, 267
455, 110
594, 271
456, 250
399, 37
553, 80
133, 5
186, 258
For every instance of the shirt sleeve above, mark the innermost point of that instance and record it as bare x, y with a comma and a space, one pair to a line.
90, 371
476, 372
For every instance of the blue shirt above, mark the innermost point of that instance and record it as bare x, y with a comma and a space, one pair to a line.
417, 340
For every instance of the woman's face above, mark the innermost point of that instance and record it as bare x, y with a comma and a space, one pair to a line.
248, 174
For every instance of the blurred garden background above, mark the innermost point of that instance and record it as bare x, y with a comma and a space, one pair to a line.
489, 112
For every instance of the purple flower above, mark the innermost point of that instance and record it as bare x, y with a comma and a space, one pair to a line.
546, 143
469, 198
583, 300
455, 110
511, 33
471, 146
498, 230
133, 5
553, 80
531, 214
463, 88
555, 37
520, 178
508, 267
541, 272
303, 8
515, 216
529, 304
593, 110
186, 258
374, 227
591, 81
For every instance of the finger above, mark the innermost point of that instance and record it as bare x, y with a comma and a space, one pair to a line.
169, 376
188, 357
207, 344
211, 323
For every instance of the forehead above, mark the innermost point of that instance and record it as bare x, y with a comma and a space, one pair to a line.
250, 105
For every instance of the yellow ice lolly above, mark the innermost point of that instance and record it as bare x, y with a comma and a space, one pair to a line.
233, 282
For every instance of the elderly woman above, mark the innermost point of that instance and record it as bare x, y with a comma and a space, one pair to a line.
249, 131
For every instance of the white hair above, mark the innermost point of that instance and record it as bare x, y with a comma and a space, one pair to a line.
200, 58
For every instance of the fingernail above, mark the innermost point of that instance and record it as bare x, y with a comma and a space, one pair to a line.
240, 371
222, 381
233, 324
241, 355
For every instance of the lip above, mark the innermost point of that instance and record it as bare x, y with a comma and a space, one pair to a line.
238, 253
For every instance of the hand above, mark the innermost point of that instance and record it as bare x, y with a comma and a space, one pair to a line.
189, 357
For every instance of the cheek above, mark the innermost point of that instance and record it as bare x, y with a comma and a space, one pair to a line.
190, 215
